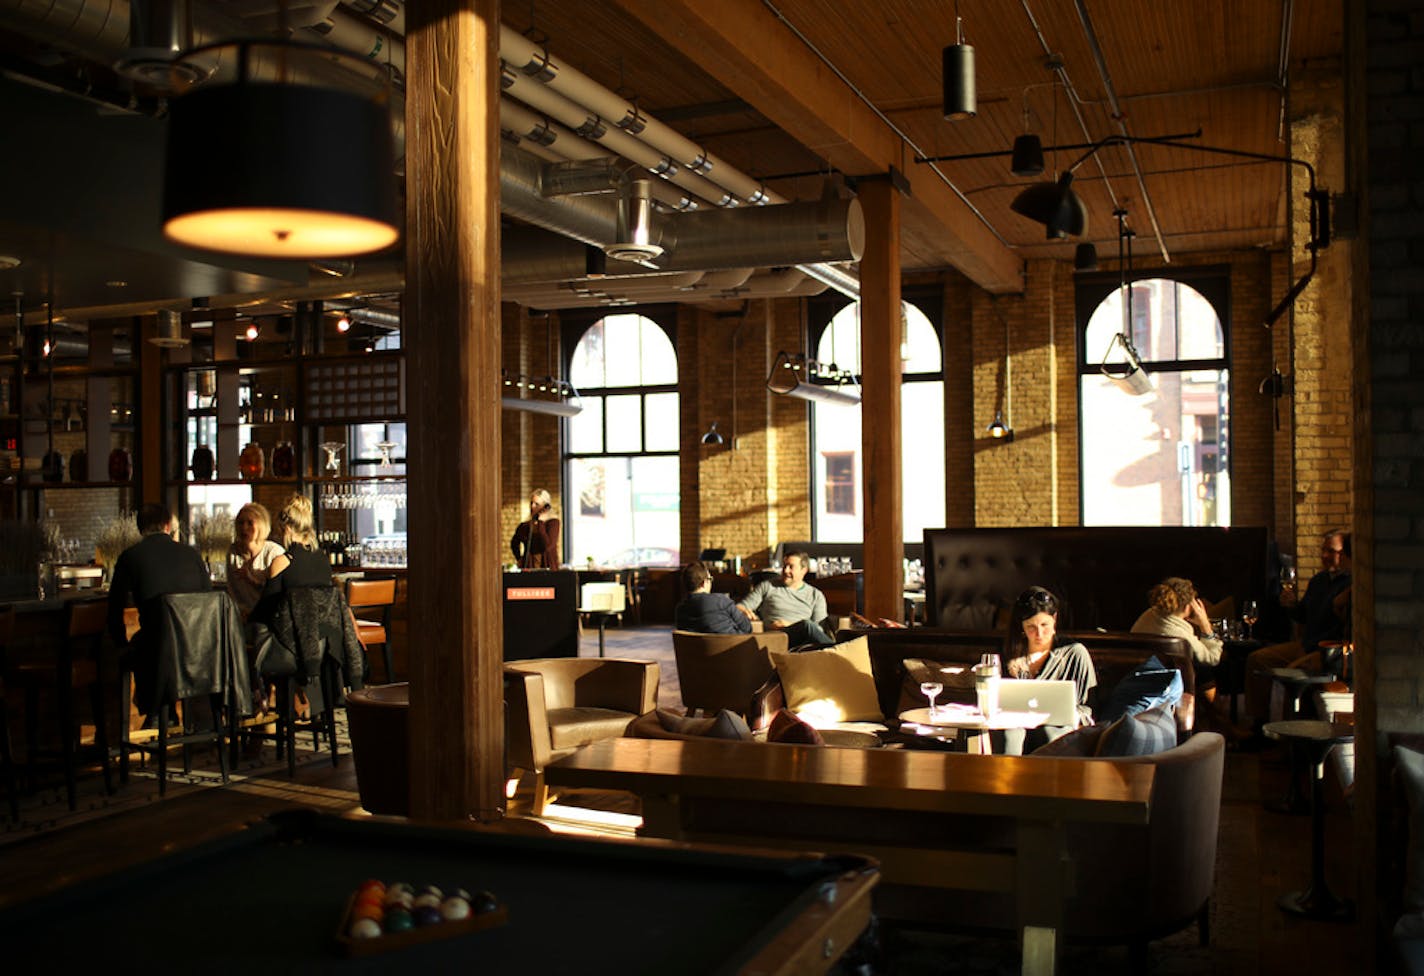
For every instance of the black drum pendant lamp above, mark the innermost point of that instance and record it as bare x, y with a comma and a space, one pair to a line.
960, 94
272, 159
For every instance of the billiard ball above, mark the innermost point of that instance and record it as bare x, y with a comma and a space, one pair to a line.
365, 909
398, 920
427, 915
401, 898
365, 928
484, 902
455, 908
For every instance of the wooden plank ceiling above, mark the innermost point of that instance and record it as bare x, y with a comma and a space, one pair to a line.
1175, 65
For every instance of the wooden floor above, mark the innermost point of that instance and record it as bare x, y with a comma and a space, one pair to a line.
1260, 855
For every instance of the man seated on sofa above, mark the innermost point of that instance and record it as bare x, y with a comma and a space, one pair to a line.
705, 612
791, 604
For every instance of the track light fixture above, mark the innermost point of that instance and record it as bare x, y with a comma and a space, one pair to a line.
252, 332
343, 324
713, 436
545, 395
796, 375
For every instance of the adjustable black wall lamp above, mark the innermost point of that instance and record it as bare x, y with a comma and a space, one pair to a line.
1062, 213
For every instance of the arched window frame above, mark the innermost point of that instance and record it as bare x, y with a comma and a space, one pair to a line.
822, 309
574, 326
1212, 282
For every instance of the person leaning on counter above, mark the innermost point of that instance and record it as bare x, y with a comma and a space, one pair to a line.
536, 542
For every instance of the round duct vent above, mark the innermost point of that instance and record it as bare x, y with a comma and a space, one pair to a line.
170, 330
637, 253
159, 71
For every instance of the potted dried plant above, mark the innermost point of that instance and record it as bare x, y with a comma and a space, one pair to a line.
118, 534
212, 537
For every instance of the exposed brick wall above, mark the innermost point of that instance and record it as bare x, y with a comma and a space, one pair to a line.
960, 418
530, 444
1321, 341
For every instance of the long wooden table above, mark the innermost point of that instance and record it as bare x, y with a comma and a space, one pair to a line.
768, 792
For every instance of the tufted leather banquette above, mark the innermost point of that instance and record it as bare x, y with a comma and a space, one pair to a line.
1102, 574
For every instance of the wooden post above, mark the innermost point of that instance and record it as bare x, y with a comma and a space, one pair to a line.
881, 332
150, 411
453, 329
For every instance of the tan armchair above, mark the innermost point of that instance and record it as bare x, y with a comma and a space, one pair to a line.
717, 671
555, 705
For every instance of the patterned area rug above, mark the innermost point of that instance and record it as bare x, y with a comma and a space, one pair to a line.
47, 808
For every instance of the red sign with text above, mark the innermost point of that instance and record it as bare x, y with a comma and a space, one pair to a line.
529, 593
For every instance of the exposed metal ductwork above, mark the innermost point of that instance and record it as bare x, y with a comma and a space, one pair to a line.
558, 175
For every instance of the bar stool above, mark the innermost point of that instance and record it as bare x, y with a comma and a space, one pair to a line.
7, 757
377, 595
76, 666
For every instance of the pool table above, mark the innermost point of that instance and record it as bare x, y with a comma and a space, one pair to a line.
269, 898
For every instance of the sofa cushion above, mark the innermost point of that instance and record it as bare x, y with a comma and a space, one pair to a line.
1082, 743
570, 728
1409, 766
726, 724
1150, 685
786, 727
1143, 734
831, 685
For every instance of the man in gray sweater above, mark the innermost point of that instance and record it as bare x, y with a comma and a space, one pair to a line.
790, 604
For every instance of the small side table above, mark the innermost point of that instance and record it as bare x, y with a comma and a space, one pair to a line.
1314, 739
1294, 681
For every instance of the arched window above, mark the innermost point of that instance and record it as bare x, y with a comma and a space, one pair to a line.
1161, 458
836, 432
621, 465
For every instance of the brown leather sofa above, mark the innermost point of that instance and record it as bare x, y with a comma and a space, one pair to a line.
718, 671
1102, 574
1114, 655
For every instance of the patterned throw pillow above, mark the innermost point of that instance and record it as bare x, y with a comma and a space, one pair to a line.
786, 727
1143, 734
724, 725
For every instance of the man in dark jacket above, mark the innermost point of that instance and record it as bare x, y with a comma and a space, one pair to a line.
156, 565
706, 612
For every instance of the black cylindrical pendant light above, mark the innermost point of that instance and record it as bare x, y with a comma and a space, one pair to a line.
1028, 156
961, 99
1085, 258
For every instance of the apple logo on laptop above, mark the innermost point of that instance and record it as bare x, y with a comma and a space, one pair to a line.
1033, 703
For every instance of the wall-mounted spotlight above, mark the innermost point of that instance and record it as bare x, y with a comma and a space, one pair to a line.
252, 332
343, 324
713, 435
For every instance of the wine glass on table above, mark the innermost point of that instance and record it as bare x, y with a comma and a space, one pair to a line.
1250, 613
930, 689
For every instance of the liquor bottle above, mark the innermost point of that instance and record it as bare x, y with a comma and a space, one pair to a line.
252, 462
284, 461
202, 462
120, 465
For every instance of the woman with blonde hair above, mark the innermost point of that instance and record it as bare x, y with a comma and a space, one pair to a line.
536, 542
302, 563
252, 556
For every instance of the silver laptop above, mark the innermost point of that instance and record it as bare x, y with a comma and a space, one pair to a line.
1058, 698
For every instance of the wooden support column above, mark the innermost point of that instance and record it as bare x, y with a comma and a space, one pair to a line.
150, 412
881, 332
453, 357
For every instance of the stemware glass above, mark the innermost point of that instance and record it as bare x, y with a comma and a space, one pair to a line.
930, 690
333, 456
1249, 614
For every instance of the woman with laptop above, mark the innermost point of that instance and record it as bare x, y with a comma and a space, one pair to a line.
1034, 652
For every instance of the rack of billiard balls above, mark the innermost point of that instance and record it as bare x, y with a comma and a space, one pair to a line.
380, 917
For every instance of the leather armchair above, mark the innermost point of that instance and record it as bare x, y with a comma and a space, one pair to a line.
555, 705
717, 671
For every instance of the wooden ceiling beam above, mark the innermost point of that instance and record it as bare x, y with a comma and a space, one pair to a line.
744, 47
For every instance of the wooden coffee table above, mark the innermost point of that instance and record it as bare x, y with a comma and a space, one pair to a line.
771, 789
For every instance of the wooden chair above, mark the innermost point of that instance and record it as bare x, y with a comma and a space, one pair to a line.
201, 658
76, 666
374, 595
